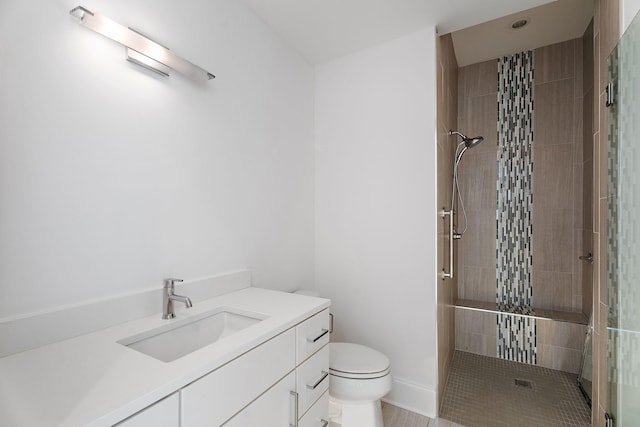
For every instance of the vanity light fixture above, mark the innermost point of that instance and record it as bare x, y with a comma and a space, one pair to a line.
141, 50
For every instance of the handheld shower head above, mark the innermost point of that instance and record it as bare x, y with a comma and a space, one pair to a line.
461, 148
472, 142
468, 142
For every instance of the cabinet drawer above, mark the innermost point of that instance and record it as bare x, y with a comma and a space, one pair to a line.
218, 396
165, 413
313, 379
312, 335
272, 409
318, 415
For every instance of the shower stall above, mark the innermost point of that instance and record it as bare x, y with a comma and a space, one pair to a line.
522, 289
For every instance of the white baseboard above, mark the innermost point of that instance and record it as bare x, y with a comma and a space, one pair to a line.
25, 332
413, 397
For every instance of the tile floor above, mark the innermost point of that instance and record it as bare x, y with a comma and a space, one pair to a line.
481, 392
396, 417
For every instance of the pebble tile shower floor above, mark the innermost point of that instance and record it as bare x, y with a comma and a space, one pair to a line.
481, 391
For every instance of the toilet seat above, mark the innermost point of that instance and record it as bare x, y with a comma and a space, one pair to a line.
354, 361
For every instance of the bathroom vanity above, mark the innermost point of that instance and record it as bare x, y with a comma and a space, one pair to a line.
250, 357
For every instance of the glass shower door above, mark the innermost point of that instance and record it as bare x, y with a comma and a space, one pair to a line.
623, 231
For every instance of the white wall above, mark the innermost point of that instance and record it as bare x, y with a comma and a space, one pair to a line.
112, 178
376, 206
628, 10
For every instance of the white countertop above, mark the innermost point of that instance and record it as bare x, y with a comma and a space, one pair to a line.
93, 380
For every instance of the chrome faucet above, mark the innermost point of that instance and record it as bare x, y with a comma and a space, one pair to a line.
168, 297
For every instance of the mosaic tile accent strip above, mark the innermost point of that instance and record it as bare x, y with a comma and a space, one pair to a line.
515, 309
514, 246
481, 392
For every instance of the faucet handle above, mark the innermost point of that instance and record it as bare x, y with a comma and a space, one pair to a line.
170, 283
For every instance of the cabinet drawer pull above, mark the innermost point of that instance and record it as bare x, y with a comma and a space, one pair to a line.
325, 423
323, 333
317, 383
295, 409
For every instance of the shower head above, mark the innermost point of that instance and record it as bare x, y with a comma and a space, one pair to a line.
472, 142
468, 142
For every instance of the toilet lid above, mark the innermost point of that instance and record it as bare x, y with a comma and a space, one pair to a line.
357, 361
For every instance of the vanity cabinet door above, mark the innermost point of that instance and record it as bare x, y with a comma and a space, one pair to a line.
318, 415
313, 379
312, 335
165, 413
219, 395
272, 409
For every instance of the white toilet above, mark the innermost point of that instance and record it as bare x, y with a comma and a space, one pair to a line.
358, 378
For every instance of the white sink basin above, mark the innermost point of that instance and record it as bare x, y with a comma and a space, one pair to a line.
181, 337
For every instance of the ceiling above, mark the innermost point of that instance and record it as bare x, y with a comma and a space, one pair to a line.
551, 23
324, 29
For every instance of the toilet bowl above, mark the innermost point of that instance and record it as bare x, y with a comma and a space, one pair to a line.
358, 378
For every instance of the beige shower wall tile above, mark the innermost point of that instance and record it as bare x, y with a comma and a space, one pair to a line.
476, 332
480, 117
577, 303
587, 274
587, 126
597, 7
603, 71
484, 345
452, 104
479, 284
478, 245
596, 267
596, 68
552, 239
578, 196
481, 79
552, 290
555, 62
462, 94
578, 128
459, 267
595, 183
445, 170
588, 196
561, 334
441, 95
552, 174
477, 178
554, 112
587, 56
477, 322
559, 358
578, 67
578, 270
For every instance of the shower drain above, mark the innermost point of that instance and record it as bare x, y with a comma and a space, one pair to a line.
523, 383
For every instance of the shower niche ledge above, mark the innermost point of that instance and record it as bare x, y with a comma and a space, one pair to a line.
533, 313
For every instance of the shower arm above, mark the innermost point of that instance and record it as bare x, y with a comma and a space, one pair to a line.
455, 132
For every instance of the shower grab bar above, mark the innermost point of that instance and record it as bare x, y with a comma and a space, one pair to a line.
444, 274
